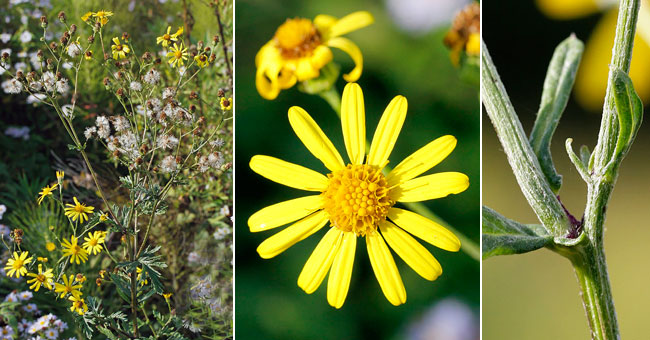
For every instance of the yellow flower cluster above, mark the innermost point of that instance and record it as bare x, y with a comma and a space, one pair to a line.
100, 17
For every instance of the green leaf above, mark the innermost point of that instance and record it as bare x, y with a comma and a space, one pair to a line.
123, 288
557, 89
502, 236
629, 110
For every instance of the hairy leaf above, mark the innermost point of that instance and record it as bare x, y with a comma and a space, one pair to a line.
557, 88
502, 236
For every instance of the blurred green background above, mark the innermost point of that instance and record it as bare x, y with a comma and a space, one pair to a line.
536, 295
269, 304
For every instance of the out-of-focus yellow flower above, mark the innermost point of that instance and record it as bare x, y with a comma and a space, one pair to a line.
43, 278
140, 278
41, 259
301, 47
179, 31
103, 217
45, 192
177, 55
465, 33
591, 80
167, 296
86, 16
119, 51
225, 103
60, 175
358, 200
17, 264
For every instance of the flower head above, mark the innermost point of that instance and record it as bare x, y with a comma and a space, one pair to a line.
102, 16
78, 211
45, 192
166, 38
300, 48
78, 305
358, 200
225, 103
202, 60
177, 55
42, 278
67, 287
93, 242
16, 265
71, 248
119, 51
59, 175
50, 246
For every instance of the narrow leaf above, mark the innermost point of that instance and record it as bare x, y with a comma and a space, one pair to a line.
502, 236
557, 88
629, 110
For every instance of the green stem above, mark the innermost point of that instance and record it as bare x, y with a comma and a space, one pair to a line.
591, 271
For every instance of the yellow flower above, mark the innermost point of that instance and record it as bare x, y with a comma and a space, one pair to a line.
60, 175
81, 278
139, 277
68, 287
300, 48
88, 55
226, 104
119, 51
16, 265
41, 259
465, 33
50, 246
42, 278
167, 296
72, 249
78, 305
591, 80
45, 192
202, 60
86, 16
177, 55
103, 217
358, 200
94, 241
78, 211
166, 38
102, 17
178, 33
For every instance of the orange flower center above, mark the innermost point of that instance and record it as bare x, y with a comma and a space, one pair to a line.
40, 278
79, 208
356, 199
118, 47
166, 37
92, 242
178, 54
297, 38
18, 263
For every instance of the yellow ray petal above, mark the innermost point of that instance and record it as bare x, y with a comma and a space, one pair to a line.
289, 174
268, 70
338, 281
565, 10
353, 122
320, 261
321, 56
347, 46
287, 79
349, 23
411, 251
293, 234
430, 187
591, 80
385, 269
282, 213
314, 139
387, 131
422, 160
425, 229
